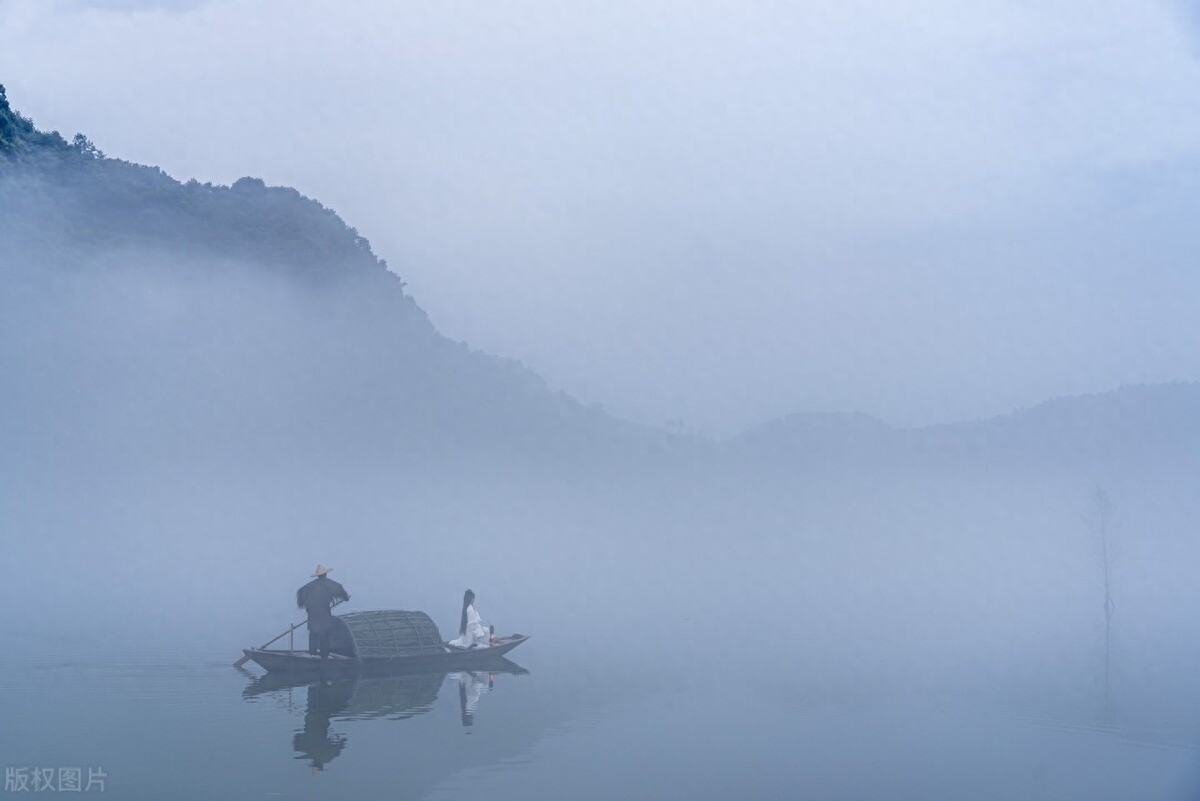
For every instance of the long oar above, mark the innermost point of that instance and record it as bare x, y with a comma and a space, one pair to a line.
246, 657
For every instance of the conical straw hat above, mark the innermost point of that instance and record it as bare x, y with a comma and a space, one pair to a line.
322, 570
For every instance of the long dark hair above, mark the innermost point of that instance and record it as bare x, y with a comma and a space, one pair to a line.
468, 599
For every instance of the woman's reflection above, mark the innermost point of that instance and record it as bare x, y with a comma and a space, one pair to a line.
471, 686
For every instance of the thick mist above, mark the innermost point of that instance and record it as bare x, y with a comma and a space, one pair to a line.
184, 440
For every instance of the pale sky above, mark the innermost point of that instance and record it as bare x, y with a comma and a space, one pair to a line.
717, 213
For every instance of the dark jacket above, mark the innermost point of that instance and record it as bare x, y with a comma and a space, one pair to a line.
316, 597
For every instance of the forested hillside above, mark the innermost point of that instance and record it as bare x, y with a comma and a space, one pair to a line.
141, 315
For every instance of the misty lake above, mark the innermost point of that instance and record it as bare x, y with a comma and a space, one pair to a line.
158, 727
668, 658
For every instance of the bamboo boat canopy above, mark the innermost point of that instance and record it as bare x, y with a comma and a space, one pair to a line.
386, 633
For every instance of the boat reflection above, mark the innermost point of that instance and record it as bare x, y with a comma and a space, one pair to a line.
392, 697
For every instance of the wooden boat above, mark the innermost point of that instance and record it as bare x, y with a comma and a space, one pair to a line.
385, 640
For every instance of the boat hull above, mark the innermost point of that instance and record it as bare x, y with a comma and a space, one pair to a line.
337, 664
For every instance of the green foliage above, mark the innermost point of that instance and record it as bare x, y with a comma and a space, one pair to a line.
18, 134
71, 197
86, 147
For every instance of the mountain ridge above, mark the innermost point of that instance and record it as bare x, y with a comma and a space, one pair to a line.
1134, 421
380, 375
151, 288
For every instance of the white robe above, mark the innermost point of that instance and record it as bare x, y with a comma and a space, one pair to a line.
477, 633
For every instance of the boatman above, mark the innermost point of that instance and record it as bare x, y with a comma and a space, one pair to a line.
317, 597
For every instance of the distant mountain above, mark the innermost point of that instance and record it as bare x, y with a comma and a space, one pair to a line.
1139, 426
145, 318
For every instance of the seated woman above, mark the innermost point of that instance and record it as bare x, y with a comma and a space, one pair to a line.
471, 631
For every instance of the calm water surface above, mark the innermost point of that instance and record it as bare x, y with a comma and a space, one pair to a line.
178, 727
